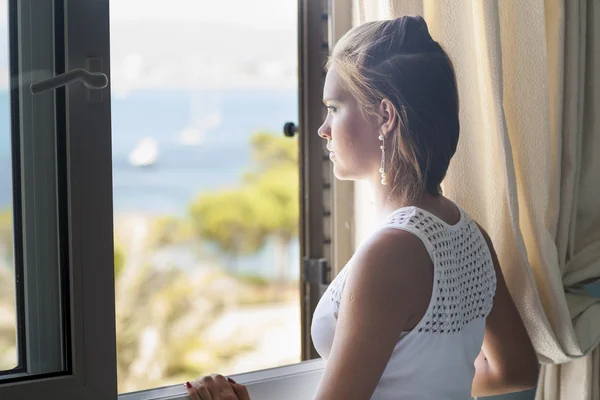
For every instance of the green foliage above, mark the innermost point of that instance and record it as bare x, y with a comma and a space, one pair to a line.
270, 150
179, 307
167, 230
240, 220
253, 279
277, 179
119, 260
280, 191
232, 219
6, 232
8, 353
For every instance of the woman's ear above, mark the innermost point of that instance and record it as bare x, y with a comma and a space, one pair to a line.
388, 117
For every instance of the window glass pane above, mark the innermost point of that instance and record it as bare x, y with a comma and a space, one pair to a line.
30, 179
8, 320
206, 190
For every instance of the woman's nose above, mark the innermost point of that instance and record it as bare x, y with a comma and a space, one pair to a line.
324, 131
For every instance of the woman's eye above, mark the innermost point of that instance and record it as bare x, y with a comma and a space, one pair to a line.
331, 109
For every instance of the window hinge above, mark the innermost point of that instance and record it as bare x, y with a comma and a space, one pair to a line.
316, 273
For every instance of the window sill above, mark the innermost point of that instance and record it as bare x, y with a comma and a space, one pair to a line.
292, 382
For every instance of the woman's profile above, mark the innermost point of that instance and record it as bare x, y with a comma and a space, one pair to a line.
421, 311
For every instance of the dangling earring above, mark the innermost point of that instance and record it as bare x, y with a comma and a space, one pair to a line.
382, 169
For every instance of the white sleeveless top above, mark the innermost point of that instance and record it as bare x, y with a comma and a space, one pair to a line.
435, 360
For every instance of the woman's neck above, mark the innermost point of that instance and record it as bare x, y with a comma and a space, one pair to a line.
384, 203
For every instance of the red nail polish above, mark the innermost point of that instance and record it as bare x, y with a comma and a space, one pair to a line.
231, 380
188, 385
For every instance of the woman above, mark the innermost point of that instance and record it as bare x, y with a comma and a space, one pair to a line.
421, 311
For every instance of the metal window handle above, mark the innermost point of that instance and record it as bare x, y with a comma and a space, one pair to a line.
91, 80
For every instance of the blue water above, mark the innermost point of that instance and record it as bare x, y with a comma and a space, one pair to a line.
182, 171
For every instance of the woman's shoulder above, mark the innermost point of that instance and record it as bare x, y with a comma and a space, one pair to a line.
392, 252
392, 269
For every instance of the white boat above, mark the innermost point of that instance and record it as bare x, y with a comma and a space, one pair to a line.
213, 120
205, 116
145, 153
191, 136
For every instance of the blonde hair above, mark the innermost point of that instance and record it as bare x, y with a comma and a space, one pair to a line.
399, 61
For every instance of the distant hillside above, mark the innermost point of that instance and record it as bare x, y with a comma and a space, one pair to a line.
230, 43
184, 53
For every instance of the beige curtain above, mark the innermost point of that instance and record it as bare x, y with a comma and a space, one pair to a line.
528, 164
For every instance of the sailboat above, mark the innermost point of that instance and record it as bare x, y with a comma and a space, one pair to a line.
191, 136
205, 115
145, 153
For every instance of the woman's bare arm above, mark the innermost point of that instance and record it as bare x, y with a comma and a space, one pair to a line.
383, 279
507, 362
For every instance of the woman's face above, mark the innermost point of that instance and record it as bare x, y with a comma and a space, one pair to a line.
352, 139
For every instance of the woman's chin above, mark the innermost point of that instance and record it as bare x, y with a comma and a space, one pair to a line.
341, 174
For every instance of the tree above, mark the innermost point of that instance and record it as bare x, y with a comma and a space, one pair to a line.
6, 234
277, 178
170, 230
119, 260
7, 293
266, 204
231, 219
271, 150
280, 186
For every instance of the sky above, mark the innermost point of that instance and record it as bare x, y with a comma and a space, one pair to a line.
270, 14
156, 43
266, 14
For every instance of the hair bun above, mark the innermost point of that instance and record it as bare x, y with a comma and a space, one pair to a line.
412, 22
413, 34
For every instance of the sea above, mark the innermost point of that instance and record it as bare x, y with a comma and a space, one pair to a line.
202, 142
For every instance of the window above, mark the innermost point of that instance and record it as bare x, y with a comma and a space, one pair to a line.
63, 296
34, 282
9, 357
116, 233
206, 188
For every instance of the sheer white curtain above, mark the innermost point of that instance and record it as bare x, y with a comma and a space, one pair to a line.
528, 164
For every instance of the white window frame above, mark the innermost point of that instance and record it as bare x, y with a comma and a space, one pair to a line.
344, 225
291, 382
92, 374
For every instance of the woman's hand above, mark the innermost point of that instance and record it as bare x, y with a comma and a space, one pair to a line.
216, 387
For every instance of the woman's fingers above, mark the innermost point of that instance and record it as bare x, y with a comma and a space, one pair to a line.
216, 387
225, 390
241, 391
192, 394
200, 386
204, 393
